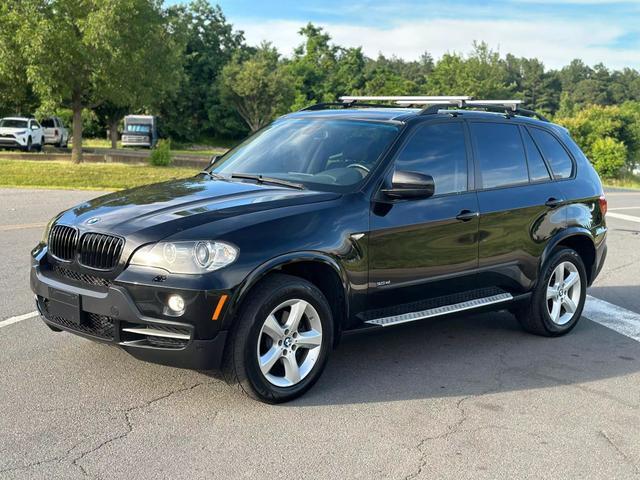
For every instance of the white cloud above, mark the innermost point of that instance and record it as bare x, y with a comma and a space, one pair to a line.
556, 42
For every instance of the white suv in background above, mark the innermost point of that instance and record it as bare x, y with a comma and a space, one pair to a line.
20, 132
55, 132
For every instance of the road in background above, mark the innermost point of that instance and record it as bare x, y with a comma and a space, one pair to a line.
464, 397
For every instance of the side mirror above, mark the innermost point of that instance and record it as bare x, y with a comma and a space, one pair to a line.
34, 127
213, 159
410, 185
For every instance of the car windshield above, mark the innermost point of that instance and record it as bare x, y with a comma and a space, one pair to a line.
138, 127
11, 123
326, 154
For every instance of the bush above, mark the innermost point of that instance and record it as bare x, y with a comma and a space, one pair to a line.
161, 155
608, 156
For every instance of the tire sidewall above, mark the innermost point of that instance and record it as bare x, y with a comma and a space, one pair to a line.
563, 255
256, 316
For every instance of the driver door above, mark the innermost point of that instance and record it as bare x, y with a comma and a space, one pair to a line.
424, 248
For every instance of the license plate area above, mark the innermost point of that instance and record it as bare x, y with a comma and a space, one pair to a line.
66, 305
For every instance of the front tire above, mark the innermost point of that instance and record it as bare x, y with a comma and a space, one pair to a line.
281, 341
558, 300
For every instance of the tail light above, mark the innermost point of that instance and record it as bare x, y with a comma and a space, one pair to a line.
56, 134
603, 204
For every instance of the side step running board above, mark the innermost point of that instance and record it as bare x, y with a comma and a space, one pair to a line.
443, 310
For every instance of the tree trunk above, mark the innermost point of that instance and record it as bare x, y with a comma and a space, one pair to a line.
76, 152
113, 132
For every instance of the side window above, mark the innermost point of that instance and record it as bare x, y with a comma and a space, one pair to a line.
438, 150
537, 169
554, 152
500, 154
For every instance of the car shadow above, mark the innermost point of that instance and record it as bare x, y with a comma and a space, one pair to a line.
467, 355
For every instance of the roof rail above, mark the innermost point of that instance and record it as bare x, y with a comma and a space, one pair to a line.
404, 98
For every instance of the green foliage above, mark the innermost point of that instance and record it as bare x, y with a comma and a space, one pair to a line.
608, 156
258, 86
619, 124
161, 154
482, 74
209, 43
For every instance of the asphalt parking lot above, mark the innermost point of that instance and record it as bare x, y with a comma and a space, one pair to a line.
466, 397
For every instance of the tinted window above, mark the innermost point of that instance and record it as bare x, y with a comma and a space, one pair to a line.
500, 154
537, 169
438, 150
48, 123
554, 152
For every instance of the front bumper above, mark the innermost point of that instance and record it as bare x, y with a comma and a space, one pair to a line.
11, 142
110, 315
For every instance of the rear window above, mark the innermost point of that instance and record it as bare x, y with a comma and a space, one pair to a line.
500, 154
555, 154
48, 123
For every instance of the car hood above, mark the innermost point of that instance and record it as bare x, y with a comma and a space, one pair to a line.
156, 211
11, 130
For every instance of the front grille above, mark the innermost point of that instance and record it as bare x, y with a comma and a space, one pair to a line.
81, 277
100, 251
93, 324
63, 242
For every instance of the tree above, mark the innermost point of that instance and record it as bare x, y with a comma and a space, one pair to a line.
16, 94
608, 156
82, 54
257, 85
209, 42
482, 75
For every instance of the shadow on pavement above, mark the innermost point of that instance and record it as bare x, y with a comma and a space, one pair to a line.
466, 356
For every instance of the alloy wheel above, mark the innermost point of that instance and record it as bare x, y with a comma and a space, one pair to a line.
563, 293
289, 343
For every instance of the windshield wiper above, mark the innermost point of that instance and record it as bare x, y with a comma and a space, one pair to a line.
263, 179
215, 176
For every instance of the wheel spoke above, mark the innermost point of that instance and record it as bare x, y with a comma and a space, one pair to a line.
552, 292
555, 311
273, 328
569, 305
558, 275
571, 280
269, 359
295, 315
291, 369
309, 340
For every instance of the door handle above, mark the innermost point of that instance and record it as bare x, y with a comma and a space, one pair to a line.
553, 202
466, 215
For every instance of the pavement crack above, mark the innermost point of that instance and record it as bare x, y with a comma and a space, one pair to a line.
620, 452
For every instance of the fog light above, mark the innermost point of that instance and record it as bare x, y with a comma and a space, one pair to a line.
176, 304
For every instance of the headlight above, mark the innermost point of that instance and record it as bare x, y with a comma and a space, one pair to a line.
186, 257
47, 229
21, 132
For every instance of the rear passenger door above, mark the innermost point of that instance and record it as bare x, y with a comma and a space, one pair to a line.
518, 204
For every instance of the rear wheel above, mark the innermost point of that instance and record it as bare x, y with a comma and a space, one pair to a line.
557, 302
281, 341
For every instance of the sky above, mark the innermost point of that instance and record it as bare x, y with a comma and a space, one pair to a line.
555, 31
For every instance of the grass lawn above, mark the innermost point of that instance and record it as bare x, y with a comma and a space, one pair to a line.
89, 176
628, 181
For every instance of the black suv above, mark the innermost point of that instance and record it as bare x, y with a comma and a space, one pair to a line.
335, 218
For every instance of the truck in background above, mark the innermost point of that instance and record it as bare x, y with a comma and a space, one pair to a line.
140, 131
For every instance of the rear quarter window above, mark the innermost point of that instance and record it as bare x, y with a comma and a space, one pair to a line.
553, 151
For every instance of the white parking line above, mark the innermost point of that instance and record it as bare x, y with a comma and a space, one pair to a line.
622, 216
19, 318
612, 316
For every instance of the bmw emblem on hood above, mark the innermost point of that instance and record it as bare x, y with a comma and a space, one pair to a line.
93, 220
